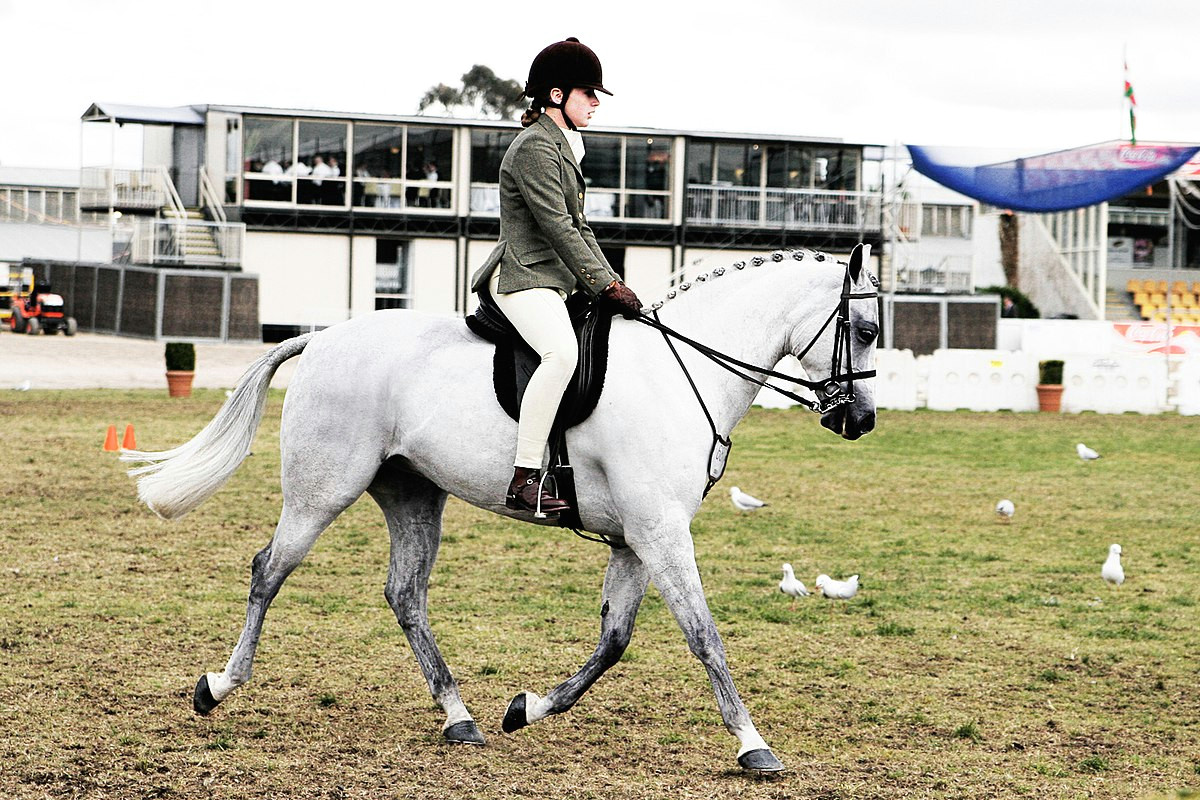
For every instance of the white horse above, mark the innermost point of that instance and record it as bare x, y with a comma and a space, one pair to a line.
420, 421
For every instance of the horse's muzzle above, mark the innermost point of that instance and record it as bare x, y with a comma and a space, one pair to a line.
848, 421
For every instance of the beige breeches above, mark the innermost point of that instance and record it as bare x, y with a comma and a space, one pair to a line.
540, 316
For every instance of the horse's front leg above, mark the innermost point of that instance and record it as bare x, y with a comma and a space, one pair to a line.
624, 586
671, 560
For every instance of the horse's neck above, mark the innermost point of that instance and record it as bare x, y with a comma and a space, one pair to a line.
749, 318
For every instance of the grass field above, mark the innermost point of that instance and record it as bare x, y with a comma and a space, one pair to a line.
979, 659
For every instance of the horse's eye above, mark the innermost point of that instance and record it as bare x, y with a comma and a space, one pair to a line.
867, 333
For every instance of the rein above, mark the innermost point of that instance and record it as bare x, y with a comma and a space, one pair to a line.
830, 389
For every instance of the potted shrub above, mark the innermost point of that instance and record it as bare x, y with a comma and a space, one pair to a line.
181, 368
1050, 385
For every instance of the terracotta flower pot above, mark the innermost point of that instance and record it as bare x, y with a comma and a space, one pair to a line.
1049, 396
179, 382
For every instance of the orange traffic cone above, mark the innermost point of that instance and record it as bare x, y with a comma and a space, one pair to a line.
129, 443
110, 440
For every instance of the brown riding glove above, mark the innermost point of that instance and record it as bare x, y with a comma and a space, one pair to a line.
623, 299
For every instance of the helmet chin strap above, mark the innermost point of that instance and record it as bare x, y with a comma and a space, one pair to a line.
562, 106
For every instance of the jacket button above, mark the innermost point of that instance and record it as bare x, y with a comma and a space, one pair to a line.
581, 195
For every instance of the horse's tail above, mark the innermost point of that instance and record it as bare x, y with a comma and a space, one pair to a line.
173, 482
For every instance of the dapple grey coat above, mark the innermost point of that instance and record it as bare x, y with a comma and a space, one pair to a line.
545, 240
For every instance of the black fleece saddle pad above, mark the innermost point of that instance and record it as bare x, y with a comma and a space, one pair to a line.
515, 361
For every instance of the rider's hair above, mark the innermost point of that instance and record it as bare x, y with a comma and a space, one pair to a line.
531, 114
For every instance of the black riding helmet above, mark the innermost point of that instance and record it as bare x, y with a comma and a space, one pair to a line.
566, 65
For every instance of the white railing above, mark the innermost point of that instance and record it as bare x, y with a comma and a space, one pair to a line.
210, 199
790, 209
188, 241
130, 189
951, 275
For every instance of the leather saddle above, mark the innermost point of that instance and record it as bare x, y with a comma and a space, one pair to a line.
514, 362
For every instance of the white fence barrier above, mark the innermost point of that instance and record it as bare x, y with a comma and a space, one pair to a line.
1188, 396
982, 380
895, 384
1114, 384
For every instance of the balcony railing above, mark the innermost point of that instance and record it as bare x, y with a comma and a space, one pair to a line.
1124, 215
951, 275
790, 209
137, 190
188, 241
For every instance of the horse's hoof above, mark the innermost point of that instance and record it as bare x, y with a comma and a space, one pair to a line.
514, 718
203, 700
760, 760
465, 732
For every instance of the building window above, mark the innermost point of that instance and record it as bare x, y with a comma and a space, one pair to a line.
393, 288
946, 220
627, 177
398, 166
320, 159
487, 151
267, 152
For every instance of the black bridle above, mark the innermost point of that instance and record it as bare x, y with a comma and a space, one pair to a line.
829, 391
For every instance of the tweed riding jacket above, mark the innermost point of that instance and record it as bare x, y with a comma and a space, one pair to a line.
545, 241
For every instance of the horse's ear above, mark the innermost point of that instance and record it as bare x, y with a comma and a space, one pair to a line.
858, 257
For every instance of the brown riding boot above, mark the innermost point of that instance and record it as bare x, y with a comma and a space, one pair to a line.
524, 492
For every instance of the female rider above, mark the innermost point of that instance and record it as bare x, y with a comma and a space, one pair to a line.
546, 249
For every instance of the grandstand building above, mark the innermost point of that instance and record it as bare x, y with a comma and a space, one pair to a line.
338, 214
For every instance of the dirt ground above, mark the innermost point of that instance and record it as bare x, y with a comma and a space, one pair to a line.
98, 361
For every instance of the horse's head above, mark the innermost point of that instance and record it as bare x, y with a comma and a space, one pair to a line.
844, 348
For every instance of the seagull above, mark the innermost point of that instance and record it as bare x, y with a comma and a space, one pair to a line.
1112, 571
837, 590
743, 501
1085, 452
790, 586
1004, 510
24, 386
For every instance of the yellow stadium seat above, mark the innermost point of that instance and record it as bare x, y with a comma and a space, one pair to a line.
1158, 298
1195, 287
1141, 298
1186, 299
1159, 316
1149, 285
1179, 287
1133, 286
1161, 286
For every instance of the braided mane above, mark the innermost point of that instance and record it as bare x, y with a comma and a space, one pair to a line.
756, 261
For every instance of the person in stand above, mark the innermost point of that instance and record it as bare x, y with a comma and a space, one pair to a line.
547, 251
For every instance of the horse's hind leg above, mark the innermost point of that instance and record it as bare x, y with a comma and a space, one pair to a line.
413, 508
300, 524
624, 586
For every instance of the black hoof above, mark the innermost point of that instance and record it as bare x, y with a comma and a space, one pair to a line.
761, 760
514, 718
202, 699
465, 732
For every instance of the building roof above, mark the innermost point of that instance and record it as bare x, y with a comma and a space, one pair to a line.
146, 115
413, 119
50, 178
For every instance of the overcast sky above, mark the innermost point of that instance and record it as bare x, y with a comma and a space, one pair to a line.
1014, 73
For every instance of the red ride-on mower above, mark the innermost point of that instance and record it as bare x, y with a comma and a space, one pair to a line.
40, 310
